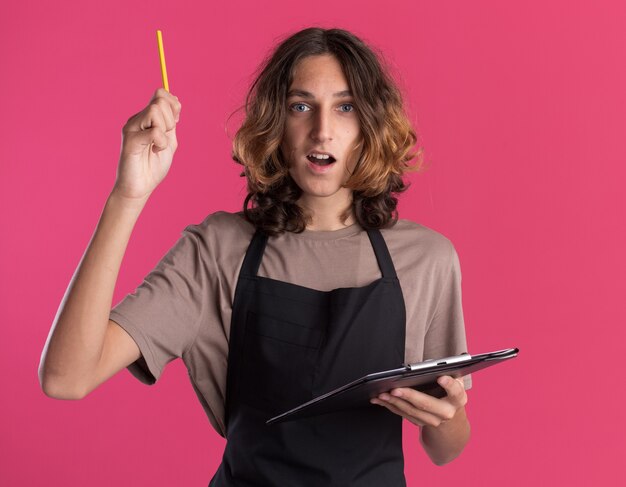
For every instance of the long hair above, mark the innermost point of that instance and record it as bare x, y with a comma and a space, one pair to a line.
387, 135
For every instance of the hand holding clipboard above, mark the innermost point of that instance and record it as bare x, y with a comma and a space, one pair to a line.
422, 376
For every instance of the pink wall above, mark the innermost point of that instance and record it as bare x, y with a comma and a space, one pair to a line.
521, 112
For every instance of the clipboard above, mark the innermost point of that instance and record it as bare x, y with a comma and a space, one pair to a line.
421, 376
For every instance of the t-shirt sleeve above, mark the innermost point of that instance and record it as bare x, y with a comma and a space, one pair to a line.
446, 333
162, 315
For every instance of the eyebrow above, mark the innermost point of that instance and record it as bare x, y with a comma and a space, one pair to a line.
306, 94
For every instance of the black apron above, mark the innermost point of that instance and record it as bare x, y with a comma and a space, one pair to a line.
290, 343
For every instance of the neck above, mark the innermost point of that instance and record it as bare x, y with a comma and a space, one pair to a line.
325, 212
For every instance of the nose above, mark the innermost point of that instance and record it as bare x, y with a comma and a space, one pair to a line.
322, 128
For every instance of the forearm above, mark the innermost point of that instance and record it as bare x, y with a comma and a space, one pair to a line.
446, 442
75, 341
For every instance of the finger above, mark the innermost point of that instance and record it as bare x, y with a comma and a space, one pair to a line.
162, 111
167, 113
149, 117
172, 141
419, 411
143, 138
429, 408
153, 117
419, 400
171, 100
395, 410
455, 389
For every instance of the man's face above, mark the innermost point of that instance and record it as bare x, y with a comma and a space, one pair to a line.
321, 118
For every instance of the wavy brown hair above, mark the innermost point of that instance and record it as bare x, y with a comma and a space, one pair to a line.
387, 137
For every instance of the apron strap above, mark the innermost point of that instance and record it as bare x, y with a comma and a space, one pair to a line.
382, 253
254, 254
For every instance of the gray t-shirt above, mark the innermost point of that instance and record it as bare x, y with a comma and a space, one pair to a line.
183, 307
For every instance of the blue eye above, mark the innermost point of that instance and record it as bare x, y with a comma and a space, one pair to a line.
296, 105
348, 105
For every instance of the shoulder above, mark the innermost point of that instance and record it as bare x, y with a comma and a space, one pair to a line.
222, 233
411, 236
222, 224
412, 244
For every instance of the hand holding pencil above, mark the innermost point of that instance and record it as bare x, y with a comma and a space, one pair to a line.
149, 142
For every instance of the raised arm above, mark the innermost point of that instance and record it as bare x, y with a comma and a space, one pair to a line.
84, 348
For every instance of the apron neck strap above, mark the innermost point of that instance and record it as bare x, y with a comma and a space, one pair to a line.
254, 254
382, 253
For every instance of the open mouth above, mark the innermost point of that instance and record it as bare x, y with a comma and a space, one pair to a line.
321, 160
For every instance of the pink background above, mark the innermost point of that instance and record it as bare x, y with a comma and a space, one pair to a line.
520, 108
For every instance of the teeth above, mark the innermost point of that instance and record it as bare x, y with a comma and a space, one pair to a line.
320, 156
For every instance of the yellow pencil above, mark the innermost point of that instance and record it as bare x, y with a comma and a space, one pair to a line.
162, 59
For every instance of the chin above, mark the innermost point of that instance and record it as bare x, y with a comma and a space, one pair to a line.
319, 187
323, 190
